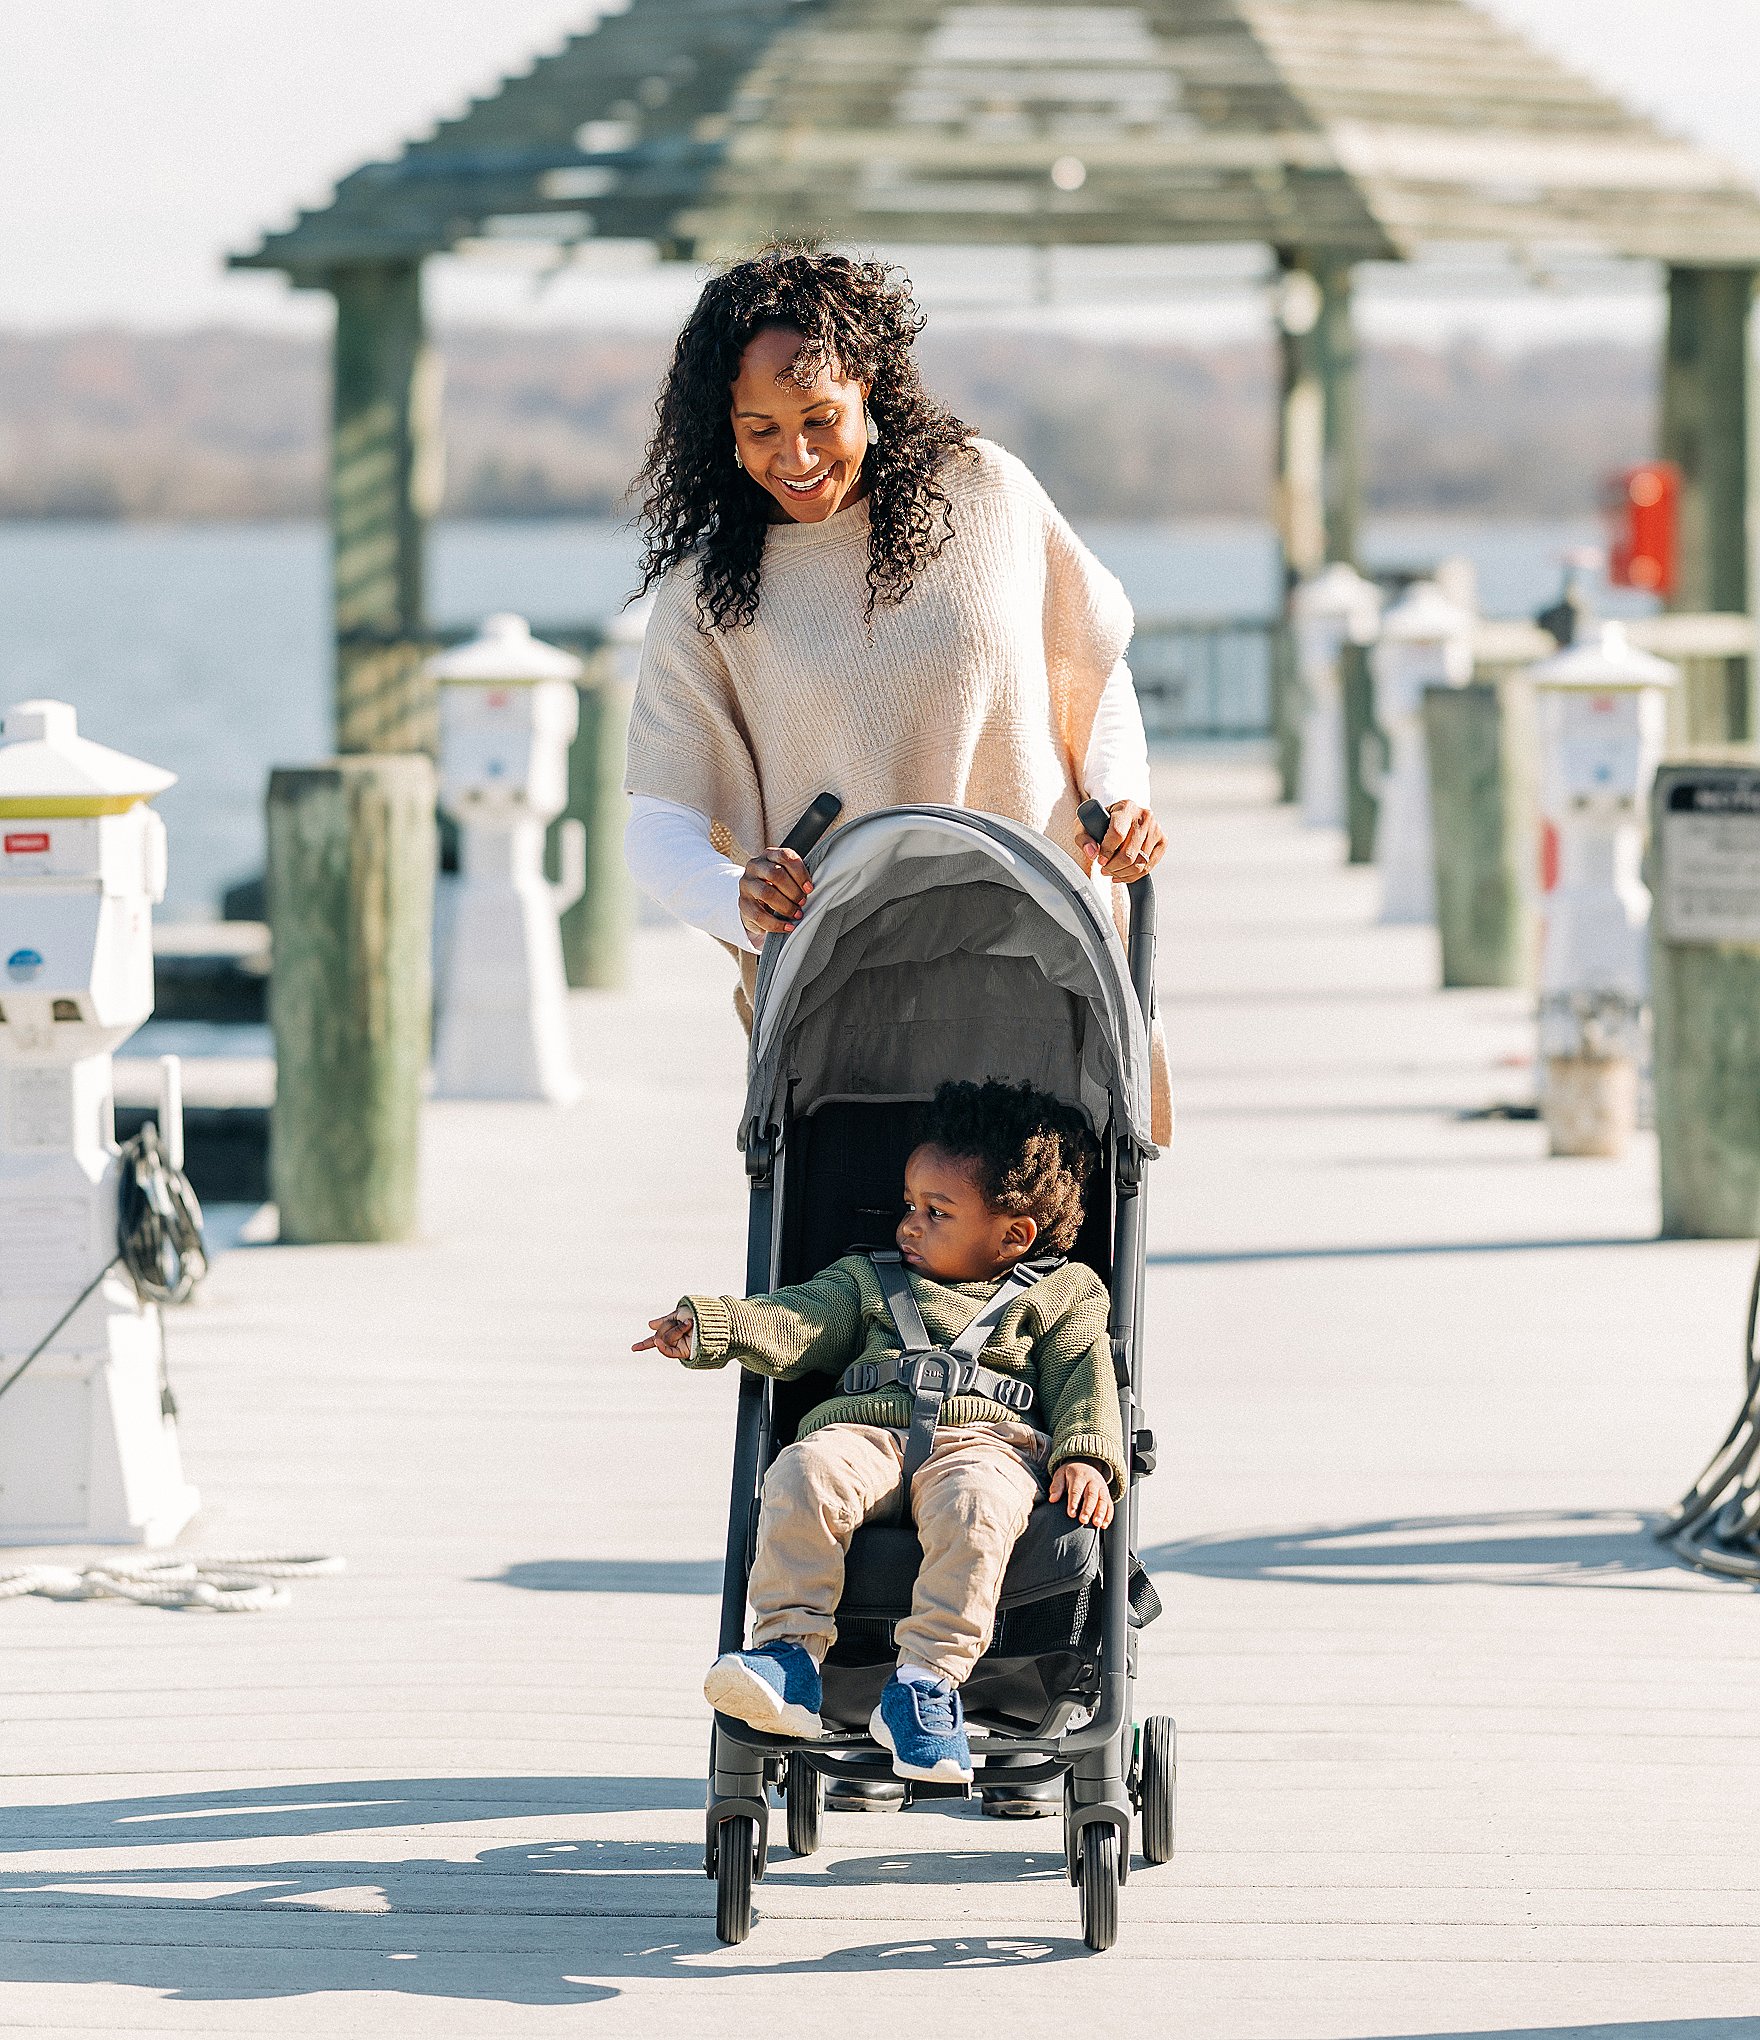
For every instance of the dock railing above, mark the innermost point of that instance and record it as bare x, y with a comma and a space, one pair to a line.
1199, 678
1203, 678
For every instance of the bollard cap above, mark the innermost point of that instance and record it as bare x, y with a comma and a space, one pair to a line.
503, 653
1424, 615
1603, 663
49, 771
1340, 592
630, 625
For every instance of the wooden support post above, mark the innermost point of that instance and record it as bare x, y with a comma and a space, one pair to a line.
350, 902
596, 929
1483, 805
1335, 348
1317, 490
384, 485
1710, 417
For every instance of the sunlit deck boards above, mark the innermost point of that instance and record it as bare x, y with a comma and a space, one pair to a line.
1463, 1754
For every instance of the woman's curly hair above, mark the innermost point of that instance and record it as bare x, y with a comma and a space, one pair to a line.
1032, 1156
861, 318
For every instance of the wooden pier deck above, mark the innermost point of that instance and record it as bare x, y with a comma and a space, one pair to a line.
1463, 1753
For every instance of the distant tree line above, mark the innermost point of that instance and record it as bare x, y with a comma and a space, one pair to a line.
228, 424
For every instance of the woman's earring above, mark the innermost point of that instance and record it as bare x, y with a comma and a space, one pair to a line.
873, 429
738, 463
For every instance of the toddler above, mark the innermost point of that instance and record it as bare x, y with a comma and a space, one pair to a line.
992, 1204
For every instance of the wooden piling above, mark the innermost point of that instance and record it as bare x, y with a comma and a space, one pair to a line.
1704, 869
596, 929
1484, 829
350, 902
1365, 753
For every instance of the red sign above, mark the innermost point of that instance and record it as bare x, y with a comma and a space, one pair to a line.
1642, 506
22, 841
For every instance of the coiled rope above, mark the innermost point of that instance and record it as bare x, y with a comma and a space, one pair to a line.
241, 1585
1717, 1524
159, 1247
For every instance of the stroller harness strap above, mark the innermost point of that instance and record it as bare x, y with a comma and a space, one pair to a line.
932, 1373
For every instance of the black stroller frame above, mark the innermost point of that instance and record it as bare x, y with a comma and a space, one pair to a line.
1112, 1770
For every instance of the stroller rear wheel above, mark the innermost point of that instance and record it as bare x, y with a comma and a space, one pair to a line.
1099, 1885
804, 1791
1156, 1801
736, 1846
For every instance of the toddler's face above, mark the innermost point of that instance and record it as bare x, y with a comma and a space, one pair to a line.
948, 1232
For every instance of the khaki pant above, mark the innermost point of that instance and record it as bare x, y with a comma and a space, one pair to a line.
970, 1502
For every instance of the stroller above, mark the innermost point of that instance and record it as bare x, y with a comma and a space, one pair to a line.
941, 943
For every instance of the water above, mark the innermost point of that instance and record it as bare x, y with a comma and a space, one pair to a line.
202, 647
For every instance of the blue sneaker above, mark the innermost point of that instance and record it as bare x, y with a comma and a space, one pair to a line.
774, 1689
924, 1727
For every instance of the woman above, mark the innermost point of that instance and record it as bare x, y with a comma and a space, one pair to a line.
855, 593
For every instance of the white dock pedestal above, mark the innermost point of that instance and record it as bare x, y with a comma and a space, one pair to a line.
88, 1447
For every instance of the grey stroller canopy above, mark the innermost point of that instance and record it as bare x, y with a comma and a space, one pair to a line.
943, 943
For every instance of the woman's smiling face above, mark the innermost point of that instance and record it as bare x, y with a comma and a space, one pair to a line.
804, 444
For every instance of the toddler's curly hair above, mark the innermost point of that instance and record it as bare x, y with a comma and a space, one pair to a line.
1031, 1155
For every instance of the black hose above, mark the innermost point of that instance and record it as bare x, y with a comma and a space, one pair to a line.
158, 1236
1717, 1524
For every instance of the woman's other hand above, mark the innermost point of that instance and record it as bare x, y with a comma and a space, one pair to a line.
1133, 845
773, 890
672, 1336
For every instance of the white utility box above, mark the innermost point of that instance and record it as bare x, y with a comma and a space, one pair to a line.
1601, 709
1337, 607
509, 711
1425, 640
88, 1449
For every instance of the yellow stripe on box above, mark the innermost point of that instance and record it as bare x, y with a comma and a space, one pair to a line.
67, 807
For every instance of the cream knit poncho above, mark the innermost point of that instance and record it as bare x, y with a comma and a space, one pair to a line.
979, 690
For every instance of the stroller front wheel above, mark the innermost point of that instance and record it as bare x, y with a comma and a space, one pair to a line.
1156, 1800
804, 1791
736, 1846
1100, 1885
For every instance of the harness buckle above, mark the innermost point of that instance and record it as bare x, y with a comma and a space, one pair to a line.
934, 1374
861, 1377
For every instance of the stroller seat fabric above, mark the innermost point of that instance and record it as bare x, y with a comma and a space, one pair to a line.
845, 1165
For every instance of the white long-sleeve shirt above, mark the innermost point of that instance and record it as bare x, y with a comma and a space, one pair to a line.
671, 858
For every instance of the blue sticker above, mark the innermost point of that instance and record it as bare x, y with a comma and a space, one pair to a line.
23, 964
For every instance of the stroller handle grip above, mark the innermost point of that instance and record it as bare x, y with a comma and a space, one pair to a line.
1141, 894
813, 824
1094, 818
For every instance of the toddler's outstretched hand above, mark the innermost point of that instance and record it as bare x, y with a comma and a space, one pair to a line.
1084, 1489
672, 1335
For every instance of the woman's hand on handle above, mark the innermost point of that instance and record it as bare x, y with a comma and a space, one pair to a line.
773, 890
1133, 847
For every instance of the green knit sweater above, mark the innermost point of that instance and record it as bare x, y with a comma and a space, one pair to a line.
1054, 1335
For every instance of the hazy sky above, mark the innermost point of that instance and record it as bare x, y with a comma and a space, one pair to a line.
142, 139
